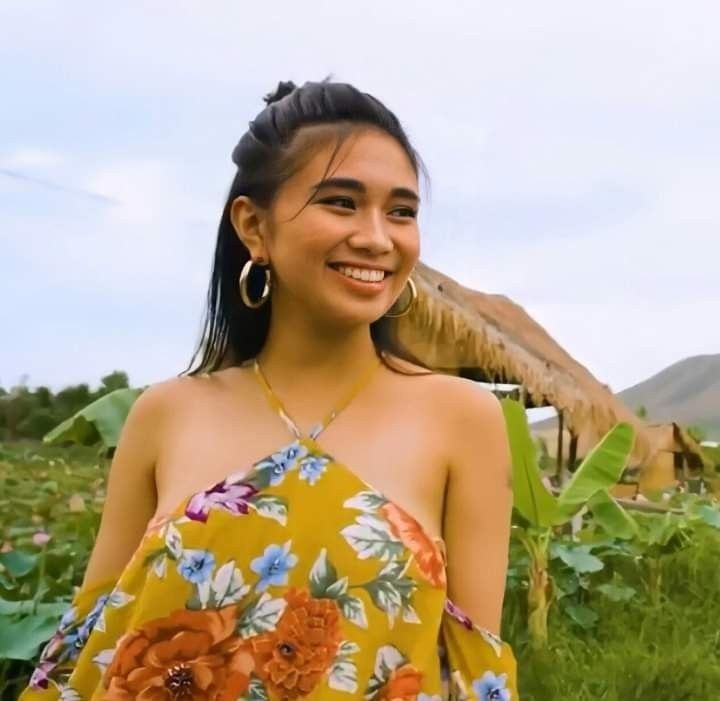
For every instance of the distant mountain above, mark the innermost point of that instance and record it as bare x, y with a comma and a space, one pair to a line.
687, 392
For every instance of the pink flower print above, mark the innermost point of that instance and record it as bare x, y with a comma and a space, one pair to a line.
458, 614
40, 678
234, 498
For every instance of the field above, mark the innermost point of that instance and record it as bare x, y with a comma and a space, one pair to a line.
634, 619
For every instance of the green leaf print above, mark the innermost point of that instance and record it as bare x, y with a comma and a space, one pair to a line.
173, 542
260, 477
159, 567
393, 570
392, 593
369, 502
157, 559
228, 585
154, 555
353, 609
386, 597
388, 659
256, 691
343, 673
322, 575
343, 676
348, 647
406, 586
409, 614
102, 659
370, 537
115, 600
261, 616
271, 507
337, 589
194, 603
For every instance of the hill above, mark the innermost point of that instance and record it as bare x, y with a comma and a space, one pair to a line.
687, 392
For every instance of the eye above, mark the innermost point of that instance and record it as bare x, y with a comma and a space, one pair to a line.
409, 212
336, 200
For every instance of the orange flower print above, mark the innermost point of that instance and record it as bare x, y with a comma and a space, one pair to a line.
293, 658
190, 655
404, 684
414, 537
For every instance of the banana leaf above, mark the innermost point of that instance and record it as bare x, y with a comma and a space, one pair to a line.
601, 469
616, 521
101, 421
530, 497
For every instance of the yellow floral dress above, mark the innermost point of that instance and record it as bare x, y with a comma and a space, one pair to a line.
293, 579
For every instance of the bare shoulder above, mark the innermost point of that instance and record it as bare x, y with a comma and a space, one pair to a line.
170, 393
468, 400
459, 398
473, 422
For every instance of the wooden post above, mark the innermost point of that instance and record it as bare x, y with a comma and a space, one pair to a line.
522, 396
572, 452
559, 461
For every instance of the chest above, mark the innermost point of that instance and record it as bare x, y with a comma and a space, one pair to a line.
397, 448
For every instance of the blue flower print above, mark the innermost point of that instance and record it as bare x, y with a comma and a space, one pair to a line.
196, 565
311, 468
92, 618
73, 643
491, 688
285, 460
68, 619
273, 566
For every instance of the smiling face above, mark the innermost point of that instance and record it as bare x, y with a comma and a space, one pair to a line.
345, 258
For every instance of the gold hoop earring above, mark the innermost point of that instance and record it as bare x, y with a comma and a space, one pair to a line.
409, 306
243, 281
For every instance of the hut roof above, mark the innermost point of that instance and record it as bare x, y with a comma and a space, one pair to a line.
674, 438
453, 327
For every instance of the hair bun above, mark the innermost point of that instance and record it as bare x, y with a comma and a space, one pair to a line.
285, 87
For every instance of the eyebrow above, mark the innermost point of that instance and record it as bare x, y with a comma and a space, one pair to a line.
357, 186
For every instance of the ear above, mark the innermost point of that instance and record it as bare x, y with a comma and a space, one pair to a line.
248, 221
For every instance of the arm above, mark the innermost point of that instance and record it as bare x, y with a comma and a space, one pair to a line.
131, 498
478, 505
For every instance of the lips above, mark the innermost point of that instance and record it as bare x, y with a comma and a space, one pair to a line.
364, 287
344, 264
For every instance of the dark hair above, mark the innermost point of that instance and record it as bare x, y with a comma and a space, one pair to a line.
269, 153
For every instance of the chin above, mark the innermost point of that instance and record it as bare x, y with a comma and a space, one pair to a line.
349, 316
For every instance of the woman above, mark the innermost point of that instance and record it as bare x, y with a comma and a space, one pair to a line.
240, 556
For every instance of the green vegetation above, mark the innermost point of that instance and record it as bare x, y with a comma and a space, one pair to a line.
50, 501
600, 603
27, 414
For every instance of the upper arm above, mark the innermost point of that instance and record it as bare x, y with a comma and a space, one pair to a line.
131, 498
478, 505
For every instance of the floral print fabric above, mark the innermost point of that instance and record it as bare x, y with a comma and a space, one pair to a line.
293, 580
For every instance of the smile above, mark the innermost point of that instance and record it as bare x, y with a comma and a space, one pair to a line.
370, 278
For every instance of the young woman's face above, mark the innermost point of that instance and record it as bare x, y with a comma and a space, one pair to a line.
363, 229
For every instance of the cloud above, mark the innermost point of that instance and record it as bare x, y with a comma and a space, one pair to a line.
148, 240
37, 160
573, 152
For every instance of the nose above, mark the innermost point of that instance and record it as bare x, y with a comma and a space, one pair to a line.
373, 235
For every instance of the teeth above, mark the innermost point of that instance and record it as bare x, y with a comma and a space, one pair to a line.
362, 274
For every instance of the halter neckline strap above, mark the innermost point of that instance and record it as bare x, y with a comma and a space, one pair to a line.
277, 404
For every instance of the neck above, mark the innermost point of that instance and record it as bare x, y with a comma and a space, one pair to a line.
300, 352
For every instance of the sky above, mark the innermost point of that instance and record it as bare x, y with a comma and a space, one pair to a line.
574, 152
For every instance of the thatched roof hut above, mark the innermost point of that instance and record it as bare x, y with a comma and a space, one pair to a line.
490, 338
678, 453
